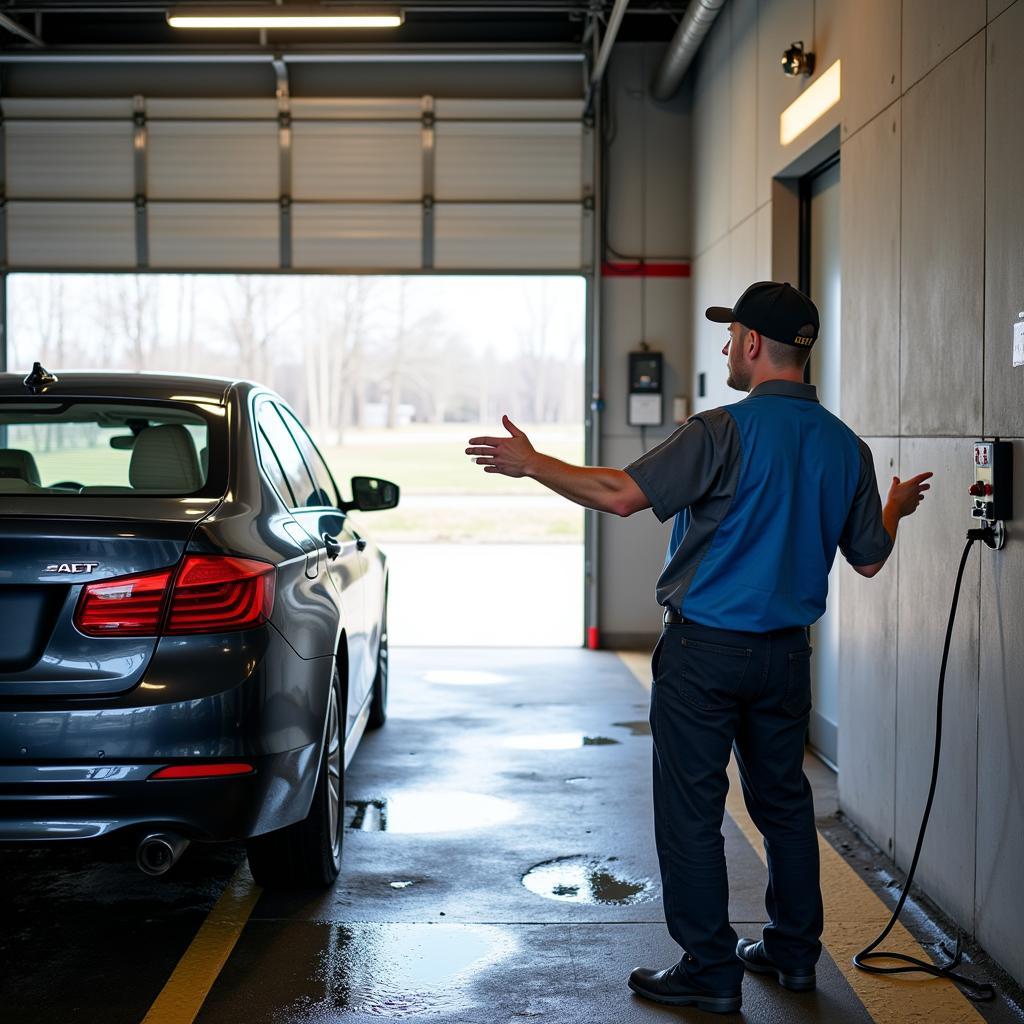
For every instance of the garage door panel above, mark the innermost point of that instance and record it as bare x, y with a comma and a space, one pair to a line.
509, 160
69, 160
70, 236
356, 108
214, 236
373, 161
360, 236
213, 160
461, 109
511, 236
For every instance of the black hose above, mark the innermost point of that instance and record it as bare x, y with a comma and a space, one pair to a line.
977, 990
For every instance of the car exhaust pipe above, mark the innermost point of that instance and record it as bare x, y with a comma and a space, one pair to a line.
158, 852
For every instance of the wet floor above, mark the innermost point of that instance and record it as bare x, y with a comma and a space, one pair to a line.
486, 880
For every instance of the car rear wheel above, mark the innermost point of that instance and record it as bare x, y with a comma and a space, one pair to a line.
308, 853
379, 701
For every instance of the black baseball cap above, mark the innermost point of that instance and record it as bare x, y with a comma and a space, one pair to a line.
778, 311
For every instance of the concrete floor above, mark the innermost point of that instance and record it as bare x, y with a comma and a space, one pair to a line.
490, 766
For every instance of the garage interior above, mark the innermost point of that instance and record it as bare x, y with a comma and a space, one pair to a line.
499, 854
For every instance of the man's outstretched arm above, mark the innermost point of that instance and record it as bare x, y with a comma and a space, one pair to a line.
596, 487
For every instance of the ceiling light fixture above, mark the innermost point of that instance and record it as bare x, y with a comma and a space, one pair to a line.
281, 16
820, 96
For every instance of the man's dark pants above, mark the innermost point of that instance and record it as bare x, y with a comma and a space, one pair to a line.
712, 689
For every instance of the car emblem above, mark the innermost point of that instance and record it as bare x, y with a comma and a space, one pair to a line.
72, 567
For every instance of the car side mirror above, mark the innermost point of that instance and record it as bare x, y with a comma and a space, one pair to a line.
372, 495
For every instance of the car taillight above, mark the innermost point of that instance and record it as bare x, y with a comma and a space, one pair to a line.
126, 606
203, 771
211, 594
219, 594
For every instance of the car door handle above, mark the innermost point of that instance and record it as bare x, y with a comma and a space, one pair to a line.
332, 545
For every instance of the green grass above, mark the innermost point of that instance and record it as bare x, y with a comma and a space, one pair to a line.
425, 459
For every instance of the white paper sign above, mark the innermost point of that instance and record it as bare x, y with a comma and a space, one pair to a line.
1018, 343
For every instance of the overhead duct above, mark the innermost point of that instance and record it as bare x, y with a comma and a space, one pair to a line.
696, 24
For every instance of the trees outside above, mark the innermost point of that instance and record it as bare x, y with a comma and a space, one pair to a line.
347, 352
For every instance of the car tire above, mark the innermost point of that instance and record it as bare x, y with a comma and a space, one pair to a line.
379, 700
308, 853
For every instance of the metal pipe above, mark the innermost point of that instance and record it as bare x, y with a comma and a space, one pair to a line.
158, 852
696, 24
614, 22
14, 27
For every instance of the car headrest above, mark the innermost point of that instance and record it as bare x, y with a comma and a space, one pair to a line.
18, 464
164, 459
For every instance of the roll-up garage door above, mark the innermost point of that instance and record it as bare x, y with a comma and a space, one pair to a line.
313, 184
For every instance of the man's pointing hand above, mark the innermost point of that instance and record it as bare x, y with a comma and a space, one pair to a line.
510, 456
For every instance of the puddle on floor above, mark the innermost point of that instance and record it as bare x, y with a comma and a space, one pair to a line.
577, 779
400, 885
597, 881
640, 728
391, 971
556, 741
422, 811
464, 677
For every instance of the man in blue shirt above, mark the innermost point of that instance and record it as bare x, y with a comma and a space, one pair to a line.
762, 493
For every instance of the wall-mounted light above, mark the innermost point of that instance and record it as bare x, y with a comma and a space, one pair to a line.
282, 16
820, 96
797, 62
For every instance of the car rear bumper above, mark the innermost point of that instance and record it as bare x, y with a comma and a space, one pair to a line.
40, 803
80, 769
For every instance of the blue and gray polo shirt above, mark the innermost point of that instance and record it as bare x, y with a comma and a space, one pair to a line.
763, 492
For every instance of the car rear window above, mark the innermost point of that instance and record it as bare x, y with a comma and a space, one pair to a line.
97, 447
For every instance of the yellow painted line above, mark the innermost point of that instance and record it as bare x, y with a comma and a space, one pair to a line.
182, 997
854, 915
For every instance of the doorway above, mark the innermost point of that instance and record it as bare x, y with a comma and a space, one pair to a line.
820, 275
392, 375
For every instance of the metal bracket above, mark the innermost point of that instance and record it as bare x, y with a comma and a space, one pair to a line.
140, 143
284, 142
428, 137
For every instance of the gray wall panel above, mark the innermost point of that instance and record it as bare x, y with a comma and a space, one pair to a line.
933, 30
869, 203
742, 18
1000, 881
930, 544
712, 154
1004, 224
870, 33
943, 224
868, 680
780, 22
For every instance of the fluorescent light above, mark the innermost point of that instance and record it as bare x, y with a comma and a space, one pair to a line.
822, 95
281, 16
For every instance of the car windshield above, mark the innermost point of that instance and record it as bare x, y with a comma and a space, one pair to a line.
66, 447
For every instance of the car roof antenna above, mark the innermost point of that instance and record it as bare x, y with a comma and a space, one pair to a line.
39, 379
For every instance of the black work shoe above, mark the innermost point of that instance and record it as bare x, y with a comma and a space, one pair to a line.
796, 979
674, 987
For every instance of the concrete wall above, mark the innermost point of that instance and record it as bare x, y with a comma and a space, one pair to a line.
648, 215
932, 249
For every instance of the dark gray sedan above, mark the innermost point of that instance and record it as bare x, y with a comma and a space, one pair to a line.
193, 636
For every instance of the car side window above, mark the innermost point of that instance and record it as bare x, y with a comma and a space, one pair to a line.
277, 437
272, 464
314, 460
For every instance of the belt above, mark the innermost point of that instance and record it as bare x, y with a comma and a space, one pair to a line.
673, 617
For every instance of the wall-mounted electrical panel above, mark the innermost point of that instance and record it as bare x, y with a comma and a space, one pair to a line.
992, 490
645, 389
